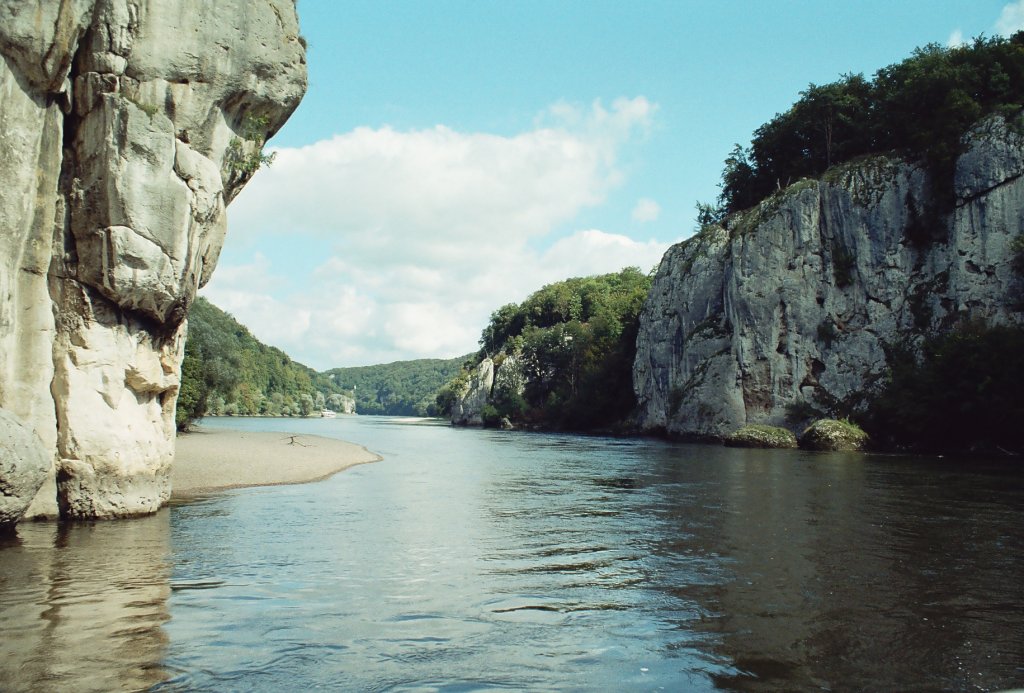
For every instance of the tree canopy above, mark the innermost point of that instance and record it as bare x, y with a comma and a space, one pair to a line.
576, 340
918, 108
228, 371
403, 388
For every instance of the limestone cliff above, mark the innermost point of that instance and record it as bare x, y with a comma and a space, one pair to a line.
474, 395
796, 300
126, 126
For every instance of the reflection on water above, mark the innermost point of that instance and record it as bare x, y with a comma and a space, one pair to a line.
480, 560
864, 574
81, 606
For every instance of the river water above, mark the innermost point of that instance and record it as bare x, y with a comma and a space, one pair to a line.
484, 560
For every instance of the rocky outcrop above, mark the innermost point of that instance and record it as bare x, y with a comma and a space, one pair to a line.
475, 394
125, 129
761, 436
495, 380
794, 303
829, 435
343, 404
24, 463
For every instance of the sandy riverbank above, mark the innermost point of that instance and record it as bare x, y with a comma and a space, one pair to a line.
214, 460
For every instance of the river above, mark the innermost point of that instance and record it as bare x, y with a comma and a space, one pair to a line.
485, 560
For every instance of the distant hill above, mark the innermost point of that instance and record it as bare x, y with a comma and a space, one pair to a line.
403, 388
227, 371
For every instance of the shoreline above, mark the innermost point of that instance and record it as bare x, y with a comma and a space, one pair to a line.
213, 461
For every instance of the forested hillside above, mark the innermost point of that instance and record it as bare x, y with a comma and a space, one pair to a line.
403, 388
562, 359
227, 371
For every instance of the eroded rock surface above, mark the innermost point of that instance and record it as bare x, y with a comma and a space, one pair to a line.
24, 463
796, 301
469, 404
126, 127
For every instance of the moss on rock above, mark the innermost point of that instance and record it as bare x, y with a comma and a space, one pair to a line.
834, 436
758, 436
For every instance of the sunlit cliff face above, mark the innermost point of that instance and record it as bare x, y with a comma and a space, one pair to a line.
128, 126
172, 102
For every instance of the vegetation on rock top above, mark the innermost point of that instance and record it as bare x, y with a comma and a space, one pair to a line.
834, 435
918, 108
575, 341
761, 436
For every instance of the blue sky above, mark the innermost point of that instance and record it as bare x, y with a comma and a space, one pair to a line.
450, 157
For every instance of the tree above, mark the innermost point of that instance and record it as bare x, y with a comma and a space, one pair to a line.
574, 340
918, 108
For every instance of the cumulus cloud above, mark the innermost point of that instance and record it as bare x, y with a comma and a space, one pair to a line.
646, 210
430, 231
1011, 20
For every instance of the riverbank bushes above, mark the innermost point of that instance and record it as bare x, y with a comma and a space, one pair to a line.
963, 391
227, 371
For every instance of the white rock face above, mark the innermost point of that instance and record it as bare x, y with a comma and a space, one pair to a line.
125, 129
468, 408
24, 463
797, 300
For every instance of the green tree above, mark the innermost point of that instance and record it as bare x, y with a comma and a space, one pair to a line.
575, 341
918, 108
961, 391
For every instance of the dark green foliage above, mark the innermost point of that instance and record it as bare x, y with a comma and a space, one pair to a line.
194, 390
576, 340
827, 332
963, 391
844, 263
228, 371
244, 155
918, 108
403, 388
708, 215
449, 393
800, 412
1017, 251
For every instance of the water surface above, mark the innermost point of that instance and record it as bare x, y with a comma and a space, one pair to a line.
486, 560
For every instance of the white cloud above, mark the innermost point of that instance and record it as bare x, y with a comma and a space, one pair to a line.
1011, 20
646, 210
431, 231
